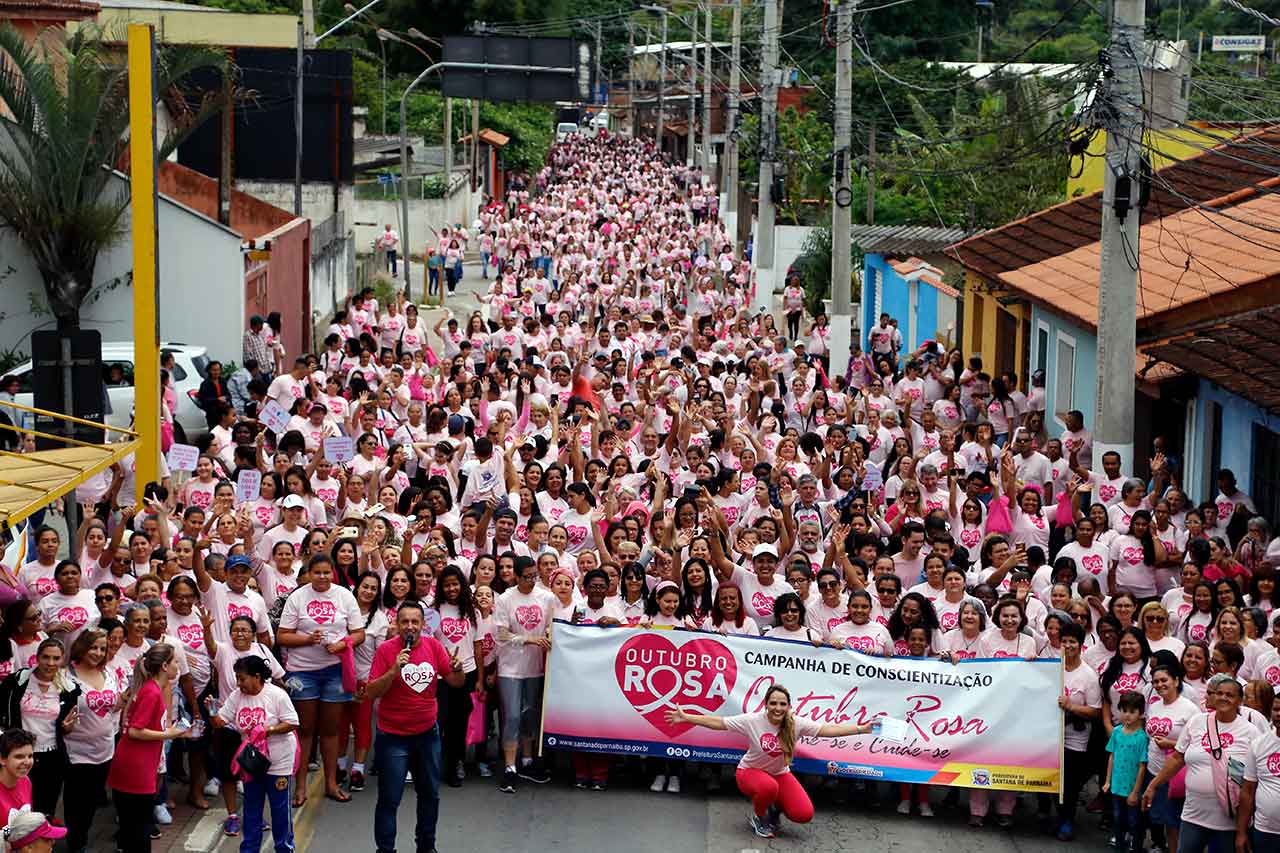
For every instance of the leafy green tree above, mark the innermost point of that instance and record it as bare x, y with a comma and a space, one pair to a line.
69, 102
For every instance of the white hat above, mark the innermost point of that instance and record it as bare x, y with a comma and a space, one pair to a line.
762, 549
293, 502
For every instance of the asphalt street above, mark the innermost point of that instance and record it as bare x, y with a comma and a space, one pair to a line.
627, 818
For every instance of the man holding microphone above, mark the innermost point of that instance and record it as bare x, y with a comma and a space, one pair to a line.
405, 671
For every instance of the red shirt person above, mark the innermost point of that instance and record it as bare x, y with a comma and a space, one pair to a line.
405, 673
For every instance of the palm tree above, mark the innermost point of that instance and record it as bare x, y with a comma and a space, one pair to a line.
68, 104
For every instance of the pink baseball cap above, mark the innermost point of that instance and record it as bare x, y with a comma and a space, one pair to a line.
44, 830
638, 508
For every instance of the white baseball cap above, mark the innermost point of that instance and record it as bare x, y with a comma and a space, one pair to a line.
762, 549
293, 502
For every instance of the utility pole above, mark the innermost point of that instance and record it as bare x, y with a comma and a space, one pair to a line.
692, 136
297, 121
475, 145
706, 97
871, 174
730, 170
599, 73
448, 144
842, 314
762, 256
1118, 275
631, 79
662, 82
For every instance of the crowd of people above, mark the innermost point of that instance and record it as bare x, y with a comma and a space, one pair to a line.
613, 436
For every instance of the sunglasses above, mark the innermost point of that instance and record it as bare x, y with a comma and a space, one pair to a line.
1156, 619
790, 610
829, 585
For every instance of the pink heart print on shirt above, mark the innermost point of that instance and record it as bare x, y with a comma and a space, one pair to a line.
1197, 632
1001, 653
833, 622
1106, 492
1092, 563
1225, 508
76, 616
655, 677
1272, 675
1128, 681
763, 603
949, 620
1159, 726
866, 645
900, 648
191, 635
1226, 737
266, 513
577, 534
234, 610
46, 586
769, 744
1273, 764
453, 629
322, 612
1132, 555
969, 538
418, 676
201, 499
529, 616
247, 719
100, 702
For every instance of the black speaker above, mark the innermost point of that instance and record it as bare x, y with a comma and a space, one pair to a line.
51, 353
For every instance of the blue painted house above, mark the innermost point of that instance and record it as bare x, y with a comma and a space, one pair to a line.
1208, 322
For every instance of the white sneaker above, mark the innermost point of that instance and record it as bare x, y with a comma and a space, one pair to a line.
904, 807
162, 815
925, 811
673, 784
659, 784
212, 788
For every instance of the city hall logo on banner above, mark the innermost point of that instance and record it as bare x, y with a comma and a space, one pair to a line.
980, 777
656, 676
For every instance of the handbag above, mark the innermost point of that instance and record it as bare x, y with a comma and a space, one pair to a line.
477, 730
348, 658
1223, 783
249, 762
1178, 783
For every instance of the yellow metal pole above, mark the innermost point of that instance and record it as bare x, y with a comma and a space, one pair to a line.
146, 315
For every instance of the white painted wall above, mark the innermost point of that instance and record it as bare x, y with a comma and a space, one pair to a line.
317, 198
201, 286
369, 216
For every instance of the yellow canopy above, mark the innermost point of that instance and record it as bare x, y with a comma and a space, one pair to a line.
29, 481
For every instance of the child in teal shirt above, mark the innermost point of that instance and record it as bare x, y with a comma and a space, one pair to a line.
1126, 763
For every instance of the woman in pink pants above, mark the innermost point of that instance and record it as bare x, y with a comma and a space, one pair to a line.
764, 773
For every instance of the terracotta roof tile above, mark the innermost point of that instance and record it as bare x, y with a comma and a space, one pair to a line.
44, 9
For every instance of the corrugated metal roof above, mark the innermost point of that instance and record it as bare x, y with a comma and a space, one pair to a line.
905, 238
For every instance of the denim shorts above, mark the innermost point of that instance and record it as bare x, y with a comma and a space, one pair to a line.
323, 684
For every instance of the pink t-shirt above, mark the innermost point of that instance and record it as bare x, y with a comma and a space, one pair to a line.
764, 750
269, 707
871, 638
14, 798
333, 612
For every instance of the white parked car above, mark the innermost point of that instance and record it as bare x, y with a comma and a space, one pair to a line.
189, 370
564, 130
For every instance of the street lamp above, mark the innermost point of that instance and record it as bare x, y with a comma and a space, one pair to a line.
662, 72
297, 97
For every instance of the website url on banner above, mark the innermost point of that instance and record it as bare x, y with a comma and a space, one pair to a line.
643, 748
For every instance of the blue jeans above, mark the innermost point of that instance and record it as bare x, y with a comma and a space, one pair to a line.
268, 789
1195, 838
1127, 823
1265, 842
397, 755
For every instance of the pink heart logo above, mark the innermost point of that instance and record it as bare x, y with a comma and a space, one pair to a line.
46, 586
969, 538
1159, 726
201, 499
762, 603
949, 620
1092, 563
1272, 675
418, 676
453, 629
1225, 508
247, 719
833, 622
77, 616
487, 644
191, 635
1226, 737
1132, 555
234, 610
577, 534
860, 644
1273, 764
1107, 493
266, 513
1129, 681
655, 676
1001, 653
900, 648
322, 612
100, 702
769, 744
529, 616
1197, 632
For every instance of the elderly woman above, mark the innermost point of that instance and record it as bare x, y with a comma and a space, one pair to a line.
1211, 747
